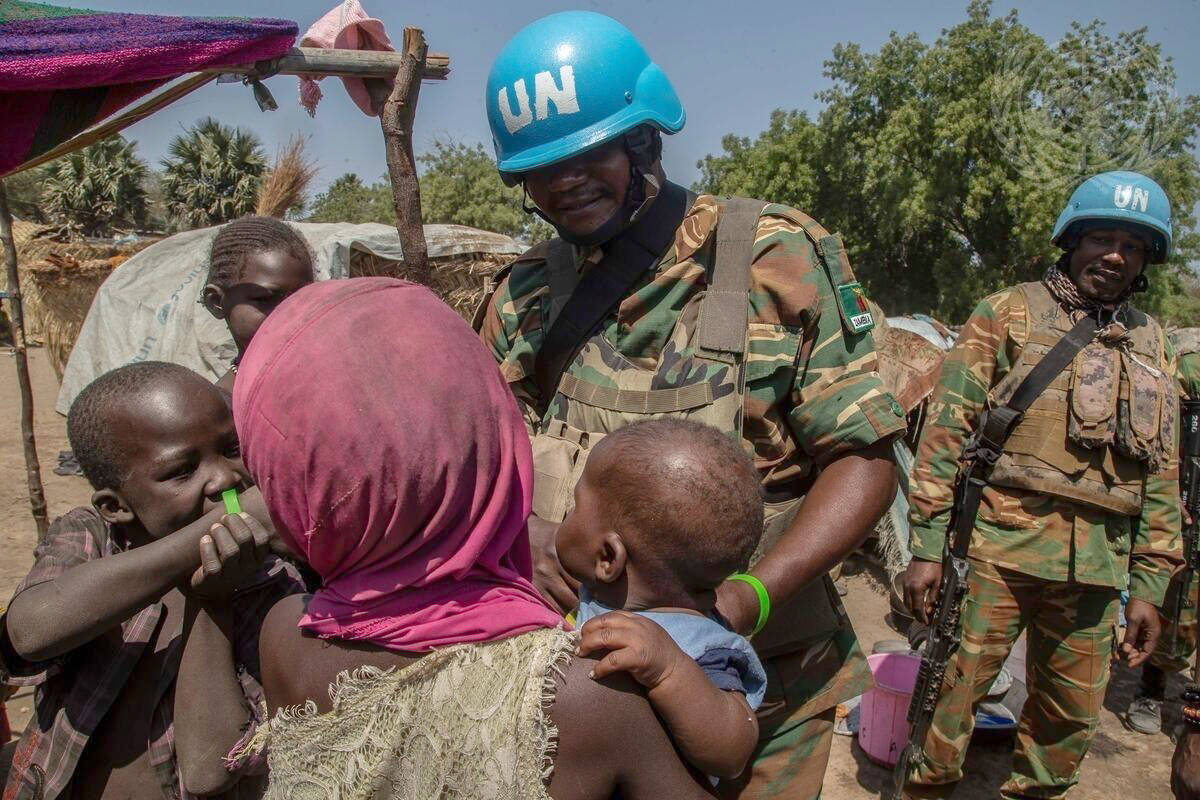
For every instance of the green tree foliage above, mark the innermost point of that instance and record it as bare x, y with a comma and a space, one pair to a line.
944, 166
97, 190
770, 165
211, 175
348, 199
460, 185
25, 195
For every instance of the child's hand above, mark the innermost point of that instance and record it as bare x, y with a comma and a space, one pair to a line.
636, 645
229, 556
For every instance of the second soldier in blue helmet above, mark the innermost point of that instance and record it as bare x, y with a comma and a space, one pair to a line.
743, 315
1082, 504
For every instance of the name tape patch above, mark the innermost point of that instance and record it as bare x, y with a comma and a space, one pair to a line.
855, 310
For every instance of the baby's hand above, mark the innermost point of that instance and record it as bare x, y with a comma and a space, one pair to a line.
636, 645
229, 556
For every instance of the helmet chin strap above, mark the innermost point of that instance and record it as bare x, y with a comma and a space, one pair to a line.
644, 147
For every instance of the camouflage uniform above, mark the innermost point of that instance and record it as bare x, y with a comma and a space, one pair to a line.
811, 393
1039, 562
1187, 351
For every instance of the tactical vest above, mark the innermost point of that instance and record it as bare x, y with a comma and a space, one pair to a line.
1078, 439
694, 379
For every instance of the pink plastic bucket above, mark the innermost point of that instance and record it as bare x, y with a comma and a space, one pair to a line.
882, 726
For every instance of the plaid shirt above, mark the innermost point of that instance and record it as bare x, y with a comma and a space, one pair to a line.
76, 690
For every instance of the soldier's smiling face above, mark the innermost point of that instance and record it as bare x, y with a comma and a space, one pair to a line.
582, 193
1106, 261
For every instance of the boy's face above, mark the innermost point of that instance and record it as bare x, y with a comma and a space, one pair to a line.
181, 454
268, 277
580, 538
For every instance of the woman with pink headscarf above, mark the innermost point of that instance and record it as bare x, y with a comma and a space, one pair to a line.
396, 465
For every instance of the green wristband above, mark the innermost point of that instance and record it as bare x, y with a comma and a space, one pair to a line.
232, 506
764, 599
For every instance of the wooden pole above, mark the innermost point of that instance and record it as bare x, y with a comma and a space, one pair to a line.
340, 63
396, 119
33, 470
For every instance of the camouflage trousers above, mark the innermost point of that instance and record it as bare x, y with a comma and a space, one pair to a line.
789, 763
1177, 656
1071, 631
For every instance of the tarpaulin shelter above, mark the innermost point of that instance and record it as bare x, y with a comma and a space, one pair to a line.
65, 73
64, 69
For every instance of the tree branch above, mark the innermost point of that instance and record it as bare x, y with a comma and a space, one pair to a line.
396, 119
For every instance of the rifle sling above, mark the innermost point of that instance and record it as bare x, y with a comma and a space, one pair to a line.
999, 423
604, 285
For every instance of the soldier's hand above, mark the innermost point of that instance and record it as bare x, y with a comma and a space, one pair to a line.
558, 588
1142, 629
921, 582
1185, 767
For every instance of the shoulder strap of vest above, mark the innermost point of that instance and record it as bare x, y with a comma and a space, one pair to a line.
606, 284
725, 309
562, 276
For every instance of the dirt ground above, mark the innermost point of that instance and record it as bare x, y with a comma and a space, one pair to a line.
1121, 764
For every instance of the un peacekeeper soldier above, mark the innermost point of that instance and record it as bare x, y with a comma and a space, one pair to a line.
741, 315
1174, 652
1083, 504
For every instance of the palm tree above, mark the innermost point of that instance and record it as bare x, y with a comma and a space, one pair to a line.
211, 174
96, 190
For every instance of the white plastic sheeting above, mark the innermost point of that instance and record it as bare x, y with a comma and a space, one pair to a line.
149, 308
920, 325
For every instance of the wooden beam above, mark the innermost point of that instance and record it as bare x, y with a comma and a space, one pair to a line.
33, 469
396, 119
319, 61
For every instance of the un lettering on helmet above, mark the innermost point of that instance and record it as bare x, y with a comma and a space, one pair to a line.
545, 91
1135, 198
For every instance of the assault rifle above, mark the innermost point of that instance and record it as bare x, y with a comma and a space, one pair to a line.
944, 636
982, 451
1189, 495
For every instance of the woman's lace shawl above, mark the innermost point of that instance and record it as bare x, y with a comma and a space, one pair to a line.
469, 721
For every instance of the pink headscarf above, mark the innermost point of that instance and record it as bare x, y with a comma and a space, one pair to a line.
394, 460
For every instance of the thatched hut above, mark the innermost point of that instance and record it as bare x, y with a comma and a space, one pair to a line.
149, 308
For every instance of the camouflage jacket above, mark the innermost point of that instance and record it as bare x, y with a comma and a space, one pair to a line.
797, 416
812, 391
1031, 533
1187, 350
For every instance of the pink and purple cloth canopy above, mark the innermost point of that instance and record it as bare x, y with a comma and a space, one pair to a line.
64, 69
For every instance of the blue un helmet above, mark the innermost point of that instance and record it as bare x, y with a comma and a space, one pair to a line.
569, 82
1129, 199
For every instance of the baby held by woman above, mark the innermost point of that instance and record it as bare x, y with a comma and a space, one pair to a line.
664, 512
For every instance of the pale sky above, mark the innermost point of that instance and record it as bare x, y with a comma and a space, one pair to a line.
732, 63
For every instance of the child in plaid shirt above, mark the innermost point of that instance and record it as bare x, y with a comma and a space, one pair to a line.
100, 622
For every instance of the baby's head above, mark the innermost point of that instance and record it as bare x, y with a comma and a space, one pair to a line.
664, 512
254, 264
157, 443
